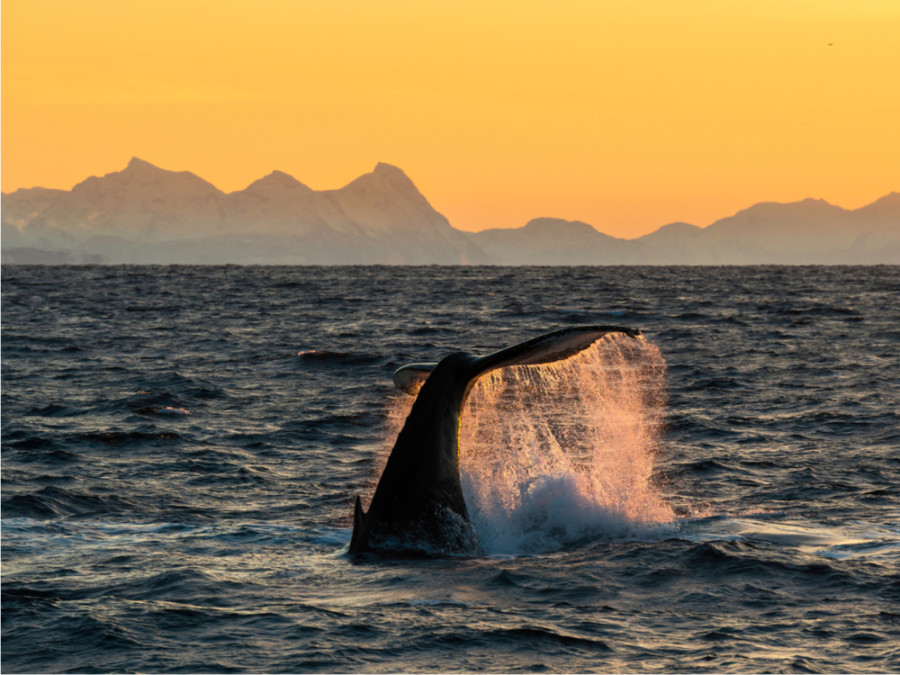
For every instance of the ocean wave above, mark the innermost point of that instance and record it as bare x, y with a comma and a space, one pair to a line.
140, 538
53, 501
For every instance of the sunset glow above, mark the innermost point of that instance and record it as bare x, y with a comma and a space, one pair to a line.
626, 115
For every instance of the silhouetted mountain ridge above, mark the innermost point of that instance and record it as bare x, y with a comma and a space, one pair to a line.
145, 214
810, 231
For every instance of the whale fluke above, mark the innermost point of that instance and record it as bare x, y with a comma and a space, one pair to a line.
418, 497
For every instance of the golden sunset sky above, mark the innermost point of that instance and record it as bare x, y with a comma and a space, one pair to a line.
625, 114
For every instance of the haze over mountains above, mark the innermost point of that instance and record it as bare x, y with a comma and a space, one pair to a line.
144, 214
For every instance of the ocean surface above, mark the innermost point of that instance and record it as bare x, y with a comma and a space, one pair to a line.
181, 448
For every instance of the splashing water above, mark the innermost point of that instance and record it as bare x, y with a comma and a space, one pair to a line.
553, 454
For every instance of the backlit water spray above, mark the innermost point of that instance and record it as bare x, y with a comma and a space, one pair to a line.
558, 453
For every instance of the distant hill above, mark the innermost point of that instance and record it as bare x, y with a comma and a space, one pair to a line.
144, 214
551, 241
810, 232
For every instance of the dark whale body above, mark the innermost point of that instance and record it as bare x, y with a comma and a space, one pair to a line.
419, 497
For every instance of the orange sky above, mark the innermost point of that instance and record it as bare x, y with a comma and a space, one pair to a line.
626, 114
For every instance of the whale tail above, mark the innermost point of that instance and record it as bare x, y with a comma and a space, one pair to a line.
421, 477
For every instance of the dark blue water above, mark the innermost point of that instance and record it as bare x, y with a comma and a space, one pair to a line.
182, 445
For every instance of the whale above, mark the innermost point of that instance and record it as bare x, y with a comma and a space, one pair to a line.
418, 502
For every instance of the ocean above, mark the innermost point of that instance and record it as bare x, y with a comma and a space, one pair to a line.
182, 446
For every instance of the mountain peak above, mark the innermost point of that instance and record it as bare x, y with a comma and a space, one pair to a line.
885, 211
142, 177
277, 181
382, 168
676, 229
672, 232
890, 200
559, 227
138, 164
546, 223
680, 226
281, 176
386, 178
388, 174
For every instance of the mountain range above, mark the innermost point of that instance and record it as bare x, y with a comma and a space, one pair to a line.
144, 214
